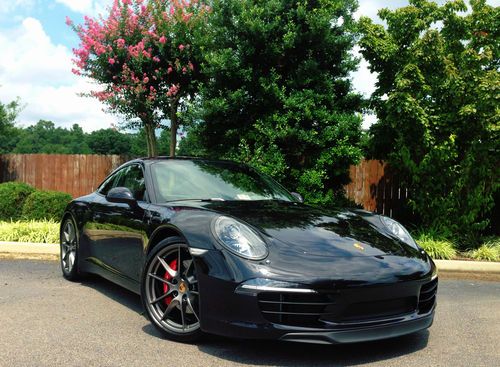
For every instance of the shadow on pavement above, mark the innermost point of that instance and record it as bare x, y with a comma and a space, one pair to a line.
260, 352
114, 292
266, 352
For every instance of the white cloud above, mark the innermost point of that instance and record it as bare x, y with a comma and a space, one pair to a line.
7, 6
39, 72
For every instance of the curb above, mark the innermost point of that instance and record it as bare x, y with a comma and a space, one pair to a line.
51, 251
29, 248
461, 266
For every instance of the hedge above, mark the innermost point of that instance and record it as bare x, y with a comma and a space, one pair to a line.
45, 205
12, 198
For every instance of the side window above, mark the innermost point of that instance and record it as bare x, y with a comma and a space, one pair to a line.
133, 179
109, 183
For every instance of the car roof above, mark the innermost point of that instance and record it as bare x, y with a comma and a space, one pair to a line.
180, 158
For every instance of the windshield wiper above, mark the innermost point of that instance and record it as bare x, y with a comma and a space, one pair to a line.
204, 200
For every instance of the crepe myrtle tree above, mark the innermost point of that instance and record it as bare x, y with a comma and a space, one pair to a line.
142, 57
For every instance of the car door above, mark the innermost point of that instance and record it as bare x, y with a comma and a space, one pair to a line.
120, 238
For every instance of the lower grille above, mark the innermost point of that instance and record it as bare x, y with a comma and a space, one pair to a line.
427, 296
323, 310
294, 309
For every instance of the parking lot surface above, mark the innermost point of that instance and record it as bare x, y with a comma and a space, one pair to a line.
48, 321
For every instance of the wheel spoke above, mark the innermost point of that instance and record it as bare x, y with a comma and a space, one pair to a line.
194, 292
66, 235
163, 296
71, 232
183, 307
163, 280
179, 263
169, 309
168, 269
192, 308
188, 267
71, 258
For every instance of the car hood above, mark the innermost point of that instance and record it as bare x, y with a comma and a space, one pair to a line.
314, 231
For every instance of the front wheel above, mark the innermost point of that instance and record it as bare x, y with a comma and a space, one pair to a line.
169, 290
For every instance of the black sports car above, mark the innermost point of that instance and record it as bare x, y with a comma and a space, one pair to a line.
216, 247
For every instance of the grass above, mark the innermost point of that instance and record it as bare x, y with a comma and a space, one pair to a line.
436, 248
46, 231
489, 251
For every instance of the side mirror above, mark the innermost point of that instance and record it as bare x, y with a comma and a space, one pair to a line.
297, 196
121, 195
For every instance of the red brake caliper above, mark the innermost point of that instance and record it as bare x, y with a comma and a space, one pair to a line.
167, 276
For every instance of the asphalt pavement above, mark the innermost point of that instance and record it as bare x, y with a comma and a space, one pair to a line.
48, 321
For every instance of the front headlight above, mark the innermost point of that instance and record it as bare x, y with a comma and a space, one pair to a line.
399, 231
239, 238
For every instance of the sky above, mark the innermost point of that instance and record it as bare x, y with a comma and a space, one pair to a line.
35, 61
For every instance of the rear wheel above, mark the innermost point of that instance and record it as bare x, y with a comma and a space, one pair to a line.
170, 292
69, 250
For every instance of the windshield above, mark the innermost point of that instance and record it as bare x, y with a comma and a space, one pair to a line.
210, 180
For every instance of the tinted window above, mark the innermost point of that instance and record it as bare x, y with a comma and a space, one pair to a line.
109, 183
183, 179
133, 179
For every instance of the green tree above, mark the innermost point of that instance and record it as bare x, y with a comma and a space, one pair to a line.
109, 141
45, 137
278, 93
437, 101
9, 134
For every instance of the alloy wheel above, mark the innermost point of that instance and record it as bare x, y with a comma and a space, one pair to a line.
68, 246
172, 290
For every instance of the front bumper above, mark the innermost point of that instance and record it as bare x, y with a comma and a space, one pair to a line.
229, 313
394, 296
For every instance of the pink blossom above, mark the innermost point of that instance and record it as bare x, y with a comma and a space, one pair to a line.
69, 22
181, 47
156, 59
146, 80
76, 71
120, 42
184, 70
111, 60
173, 90
169, 70
163, 40
190, 66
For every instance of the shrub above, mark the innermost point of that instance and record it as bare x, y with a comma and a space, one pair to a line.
45, 205
12, 197
30, 231
437, 248
489, 251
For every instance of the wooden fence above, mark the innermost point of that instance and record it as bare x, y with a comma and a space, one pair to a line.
374, 185
76, 174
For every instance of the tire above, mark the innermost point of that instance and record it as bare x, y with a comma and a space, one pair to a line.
170, 294
69, 249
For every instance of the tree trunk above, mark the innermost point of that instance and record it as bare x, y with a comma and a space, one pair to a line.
174, 124
150, 139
